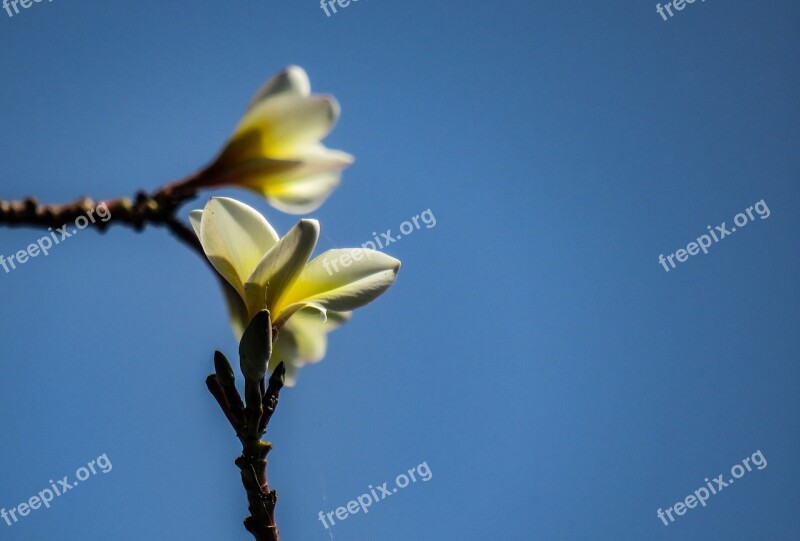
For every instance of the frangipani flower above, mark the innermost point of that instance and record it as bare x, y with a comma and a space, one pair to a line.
265, 271
275, 150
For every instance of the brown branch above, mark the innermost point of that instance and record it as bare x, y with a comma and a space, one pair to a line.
158, 208
261, 500
250, 428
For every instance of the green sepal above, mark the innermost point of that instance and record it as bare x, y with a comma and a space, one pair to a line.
255, 348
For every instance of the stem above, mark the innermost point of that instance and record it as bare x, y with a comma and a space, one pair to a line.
261, 500
252, 463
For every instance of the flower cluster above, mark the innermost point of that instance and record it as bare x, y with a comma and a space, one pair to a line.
276, 152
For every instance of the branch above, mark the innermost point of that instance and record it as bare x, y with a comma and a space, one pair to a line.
261, 500
250, 425
158, 208
253, 466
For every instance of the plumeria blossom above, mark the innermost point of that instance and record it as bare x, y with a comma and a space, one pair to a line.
275, 150
264, 270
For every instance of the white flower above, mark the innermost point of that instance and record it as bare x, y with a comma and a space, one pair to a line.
264, 271
275, 150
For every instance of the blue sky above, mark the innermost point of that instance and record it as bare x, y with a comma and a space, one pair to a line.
558, 382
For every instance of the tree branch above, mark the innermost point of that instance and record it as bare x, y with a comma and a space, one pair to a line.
158, 208
250, 428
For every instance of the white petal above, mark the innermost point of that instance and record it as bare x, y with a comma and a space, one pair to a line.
312, 343
234, 237
296, 186
280, 266
292, 80
323, 158
195, 218
237, 310
342, 279
301, 195
310, 332
288, 121
284, 350
287, 312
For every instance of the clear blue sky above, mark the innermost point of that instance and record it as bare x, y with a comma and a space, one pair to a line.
558, 381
